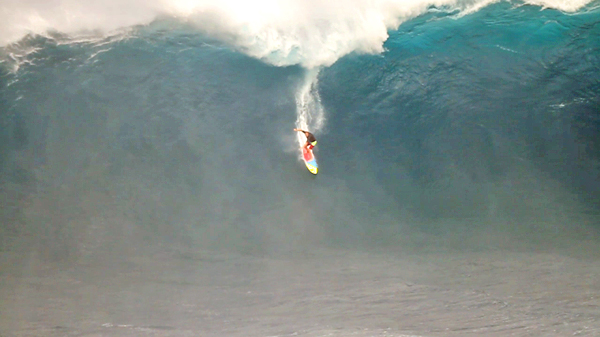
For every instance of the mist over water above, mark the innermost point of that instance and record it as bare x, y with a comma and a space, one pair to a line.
161, 156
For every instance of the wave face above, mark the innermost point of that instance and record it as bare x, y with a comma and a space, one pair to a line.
454, 121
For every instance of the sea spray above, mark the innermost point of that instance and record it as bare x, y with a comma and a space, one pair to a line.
282, 33
309, 110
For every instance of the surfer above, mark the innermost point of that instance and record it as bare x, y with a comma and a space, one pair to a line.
311, 141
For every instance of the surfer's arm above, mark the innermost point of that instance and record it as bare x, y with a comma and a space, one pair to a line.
306, 133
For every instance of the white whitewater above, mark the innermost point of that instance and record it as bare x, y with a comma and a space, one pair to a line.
309, 110
309, 33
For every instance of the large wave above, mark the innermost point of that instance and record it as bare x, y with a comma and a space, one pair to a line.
488, 117
306, 32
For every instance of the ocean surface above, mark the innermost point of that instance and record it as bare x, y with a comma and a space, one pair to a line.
151, 183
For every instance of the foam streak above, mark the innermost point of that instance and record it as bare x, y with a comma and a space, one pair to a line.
309, 111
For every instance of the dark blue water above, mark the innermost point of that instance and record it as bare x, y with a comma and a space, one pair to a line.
482, 125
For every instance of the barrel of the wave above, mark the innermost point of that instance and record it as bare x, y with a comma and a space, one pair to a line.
309, 159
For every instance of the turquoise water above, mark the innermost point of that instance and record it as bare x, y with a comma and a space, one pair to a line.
464, 128
489, 117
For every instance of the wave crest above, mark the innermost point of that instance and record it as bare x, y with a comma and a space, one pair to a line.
310, 33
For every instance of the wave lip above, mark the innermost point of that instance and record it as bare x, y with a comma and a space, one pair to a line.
310, 33
71, 17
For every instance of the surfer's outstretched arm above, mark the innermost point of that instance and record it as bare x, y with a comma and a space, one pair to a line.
304, 132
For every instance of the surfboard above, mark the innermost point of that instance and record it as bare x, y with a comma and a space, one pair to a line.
310, 160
